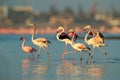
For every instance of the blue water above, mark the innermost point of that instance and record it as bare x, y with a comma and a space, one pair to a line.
14, 64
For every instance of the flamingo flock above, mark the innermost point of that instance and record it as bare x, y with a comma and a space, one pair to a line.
69, 38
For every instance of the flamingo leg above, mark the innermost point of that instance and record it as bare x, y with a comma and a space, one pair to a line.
104, 52
92, 54
63, 55
39, 52
81, 56
65, 48
88, 57
33, 55
28, 56
46, 52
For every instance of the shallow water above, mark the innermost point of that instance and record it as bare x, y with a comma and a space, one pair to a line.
14, 64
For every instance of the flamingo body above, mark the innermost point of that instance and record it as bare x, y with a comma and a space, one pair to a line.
41, 42
80, 47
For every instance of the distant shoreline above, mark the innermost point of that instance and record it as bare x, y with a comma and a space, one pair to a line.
49, 30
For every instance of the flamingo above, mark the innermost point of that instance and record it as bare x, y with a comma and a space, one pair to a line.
97, 41
98, 35
72, 33
40, 42
27, 49
64, 37
80, 47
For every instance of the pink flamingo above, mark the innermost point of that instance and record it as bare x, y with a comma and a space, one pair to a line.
97, 41
64, 37
80, 47
96, 34
27, 49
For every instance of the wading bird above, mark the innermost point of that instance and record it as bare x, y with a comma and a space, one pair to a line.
40, 42
96, 34
80, 47
64, 37
27, 49
72, 33
97, 41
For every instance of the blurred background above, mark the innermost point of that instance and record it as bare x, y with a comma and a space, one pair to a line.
103, 15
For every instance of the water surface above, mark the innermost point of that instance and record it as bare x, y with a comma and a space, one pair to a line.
14, 64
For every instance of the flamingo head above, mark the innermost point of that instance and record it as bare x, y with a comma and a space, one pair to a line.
71, 32
60, 29
31, 24
88, 27
22, 38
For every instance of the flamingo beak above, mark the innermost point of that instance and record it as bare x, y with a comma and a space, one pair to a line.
31, 25
21, 38
85, 29
57, 31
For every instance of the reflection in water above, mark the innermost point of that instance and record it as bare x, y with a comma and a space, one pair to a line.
94, 72
70, 70
33, 70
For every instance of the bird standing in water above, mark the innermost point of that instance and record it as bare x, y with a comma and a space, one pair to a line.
64, 37
95, 34
40, 42
96, 41
27, 49
80, 47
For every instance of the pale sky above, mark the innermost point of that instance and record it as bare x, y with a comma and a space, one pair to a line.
44, 5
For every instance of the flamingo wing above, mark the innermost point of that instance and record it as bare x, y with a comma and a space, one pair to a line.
71, 34
101, 35
43, 40
64, 36
29, 49
82, 46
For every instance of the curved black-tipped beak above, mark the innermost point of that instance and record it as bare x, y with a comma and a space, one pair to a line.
22, 38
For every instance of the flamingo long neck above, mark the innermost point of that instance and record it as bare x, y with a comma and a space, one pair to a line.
23, 43
72, 41
33, 33
59, 34
86, 36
